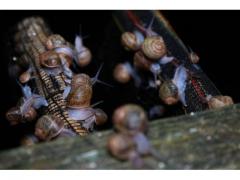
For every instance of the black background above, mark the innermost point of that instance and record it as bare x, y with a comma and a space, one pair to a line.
213, 35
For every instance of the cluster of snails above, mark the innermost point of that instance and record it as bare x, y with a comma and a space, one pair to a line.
130, 142
55, 62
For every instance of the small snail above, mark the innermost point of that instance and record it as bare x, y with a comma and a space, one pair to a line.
25, 77
154, 47
55, 41
140, 61
122, 73
219, 101
130, 118
194, 58
84, 55
80, 96
101, 116
132, 41
50, 59
168, 92
48, 127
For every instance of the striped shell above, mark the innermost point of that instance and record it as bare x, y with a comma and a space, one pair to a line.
129, 41
154, 47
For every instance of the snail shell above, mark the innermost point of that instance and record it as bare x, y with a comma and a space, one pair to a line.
30, 115
25, 77
154, 47
80, 79
121, 146
54, 41
140, 61
14, 116
80, 97
84, 57
130, 118
194, 58
219, 101
50, 59
101, 117
121, 73
48, 127
131, 41
168, 92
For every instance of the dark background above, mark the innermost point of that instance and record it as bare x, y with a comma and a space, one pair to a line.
213, 35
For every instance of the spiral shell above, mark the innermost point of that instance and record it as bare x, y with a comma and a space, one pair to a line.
140, 61
219, 101
80, 97
130, 118
84, 57
48, 127
54, 41
121, 146
121, 73
129, 41
154, 47
168, 92
50, 59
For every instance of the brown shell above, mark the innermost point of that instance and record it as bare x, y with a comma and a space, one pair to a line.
80, 97
48, 127
25, 77
140, 61
121, 146
154, 47
84, 58
129, 41
14, 116
101, 116
121, 73
50, 59
130, 118
54, 41
80, 79
31, 114
219, 101
168, 92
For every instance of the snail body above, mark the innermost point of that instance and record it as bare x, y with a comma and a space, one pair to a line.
130, 118
154, 47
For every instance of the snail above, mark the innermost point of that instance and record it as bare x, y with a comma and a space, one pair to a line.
29, 140
49, 127
140, 61
194, 58
154, 47
122, 72
130, 118
25, 77
132, 41
219, 101
55, 41
84, 55
50, 59
168, 92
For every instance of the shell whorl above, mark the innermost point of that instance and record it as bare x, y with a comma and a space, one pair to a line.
129, 41
154, 47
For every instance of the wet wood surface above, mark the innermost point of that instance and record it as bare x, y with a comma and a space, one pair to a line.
205, 140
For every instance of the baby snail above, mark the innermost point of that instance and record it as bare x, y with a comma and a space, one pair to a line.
29, 140
130, 118
84, 55
101, 116
140, 61
48, 127
122, 73
50, 59
219, 101
154, 47
132, 41
168, 92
